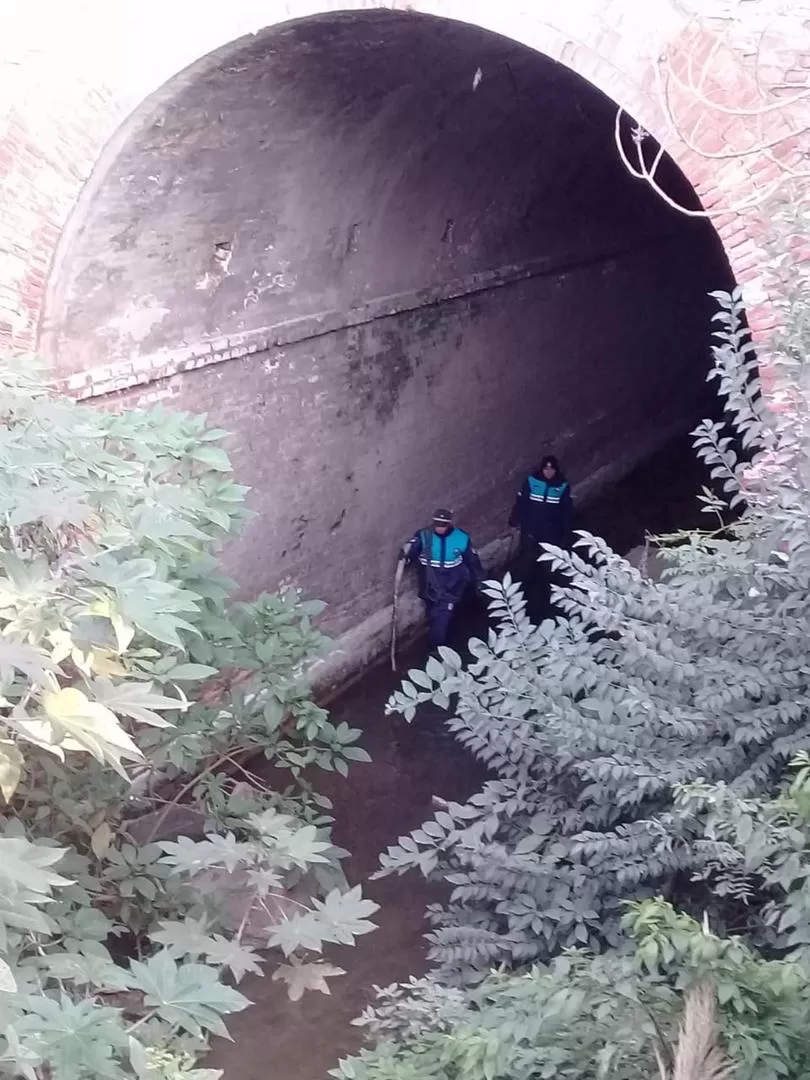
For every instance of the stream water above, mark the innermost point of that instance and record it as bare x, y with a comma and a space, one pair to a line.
280, 1040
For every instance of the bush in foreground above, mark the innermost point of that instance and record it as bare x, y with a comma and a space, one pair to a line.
133, 693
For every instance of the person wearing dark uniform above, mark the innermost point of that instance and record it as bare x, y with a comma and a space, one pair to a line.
542, 511
448, 564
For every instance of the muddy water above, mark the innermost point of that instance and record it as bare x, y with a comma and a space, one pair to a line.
279, 1040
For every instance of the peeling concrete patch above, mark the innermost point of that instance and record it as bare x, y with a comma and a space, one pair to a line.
138, 319
219, 267
280, 281
271, 365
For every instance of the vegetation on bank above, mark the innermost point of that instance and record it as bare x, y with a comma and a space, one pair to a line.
635, 850
628, 890
143, 863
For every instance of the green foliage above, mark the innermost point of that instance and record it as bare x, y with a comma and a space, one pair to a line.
589, 723
638, 746
133, 695
615, 1015
760, 859
593, 1017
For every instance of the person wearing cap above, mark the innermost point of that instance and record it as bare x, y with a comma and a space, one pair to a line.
542, 511
448, 564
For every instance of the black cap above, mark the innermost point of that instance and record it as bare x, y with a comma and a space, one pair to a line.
443, 517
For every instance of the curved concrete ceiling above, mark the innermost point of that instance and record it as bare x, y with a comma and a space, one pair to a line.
432, 262
334, 161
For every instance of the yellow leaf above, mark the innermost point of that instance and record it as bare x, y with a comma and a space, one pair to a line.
91, 726
123, 633
11, 768
40, 733
62, 645
108, 610
50, 682
300, 977
101, 840
106, 664
83, 661
8, 984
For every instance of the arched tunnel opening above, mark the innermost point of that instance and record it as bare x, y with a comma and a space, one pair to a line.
415, 256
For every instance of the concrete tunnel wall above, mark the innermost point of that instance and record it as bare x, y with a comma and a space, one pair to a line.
429, 266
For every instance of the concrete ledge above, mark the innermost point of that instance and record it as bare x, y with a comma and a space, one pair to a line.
366, 645
143, 370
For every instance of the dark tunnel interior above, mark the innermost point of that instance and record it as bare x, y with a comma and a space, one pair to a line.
432, 267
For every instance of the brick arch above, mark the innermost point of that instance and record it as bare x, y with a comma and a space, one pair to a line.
72, 77
349, 382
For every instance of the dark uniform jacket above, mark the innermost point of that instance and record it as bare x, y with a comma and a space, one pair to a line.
448, 564
542, 511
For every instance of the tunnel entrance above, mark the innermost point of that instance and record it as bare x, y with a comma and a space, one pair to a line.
405, 259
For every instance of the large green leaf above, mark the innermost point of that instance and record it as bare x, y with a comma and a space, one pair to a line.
189, 938
77, 1039
337, 919
187, 994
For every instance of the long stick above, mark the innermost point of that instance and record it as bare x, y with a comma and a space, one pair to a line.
397, 583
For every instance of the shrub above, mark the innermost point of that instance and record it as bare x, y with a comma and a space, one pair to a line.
677, 993
588, 723
131, 693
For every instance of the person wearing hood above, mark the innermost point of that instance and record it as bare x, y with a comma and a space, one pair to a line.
448, 564
543, 506
542, 511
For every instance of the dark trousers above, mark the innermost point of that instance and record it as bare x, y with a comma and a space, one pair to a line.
440, 615
536, 578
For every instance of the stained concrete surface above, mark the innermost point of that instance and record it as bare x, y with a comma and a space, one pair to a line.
433, 282
280, 1040
327, 162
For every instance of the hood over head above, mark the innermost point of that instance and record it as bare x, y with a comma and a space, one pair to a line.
549, 459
